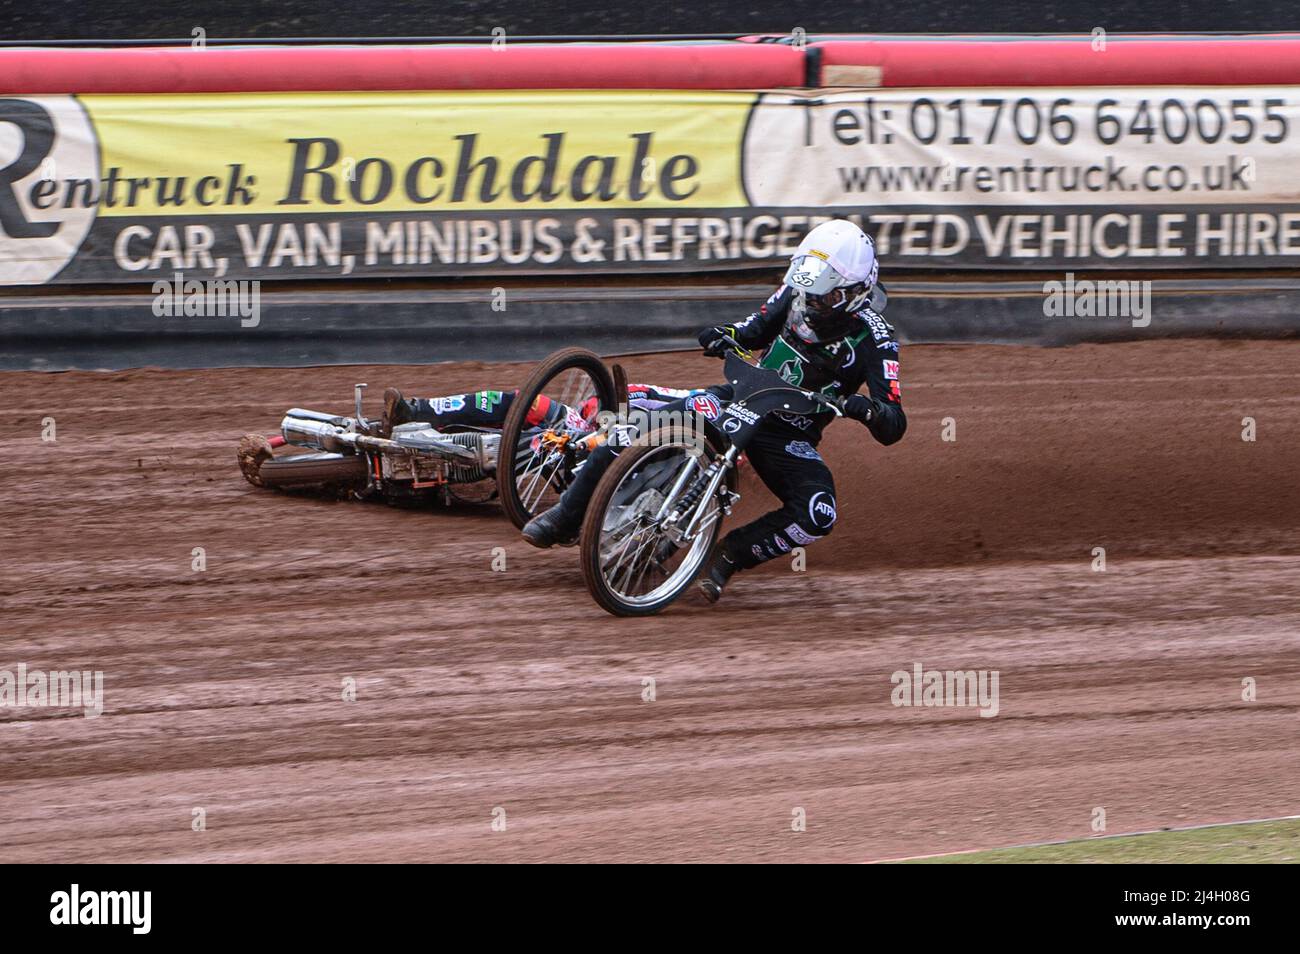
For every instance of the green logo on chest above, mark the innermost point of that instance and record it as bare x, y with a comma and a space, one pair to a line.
785, 361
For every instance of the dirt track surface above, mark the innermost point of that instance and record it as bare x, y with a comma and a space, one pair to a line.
479, 690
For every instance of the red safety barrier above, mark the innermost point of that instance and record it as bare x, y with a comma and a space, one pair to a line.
912, 62
1207, 61
517, 66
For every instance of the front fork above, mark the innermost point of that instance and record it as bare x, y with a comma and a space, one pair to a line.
713, 476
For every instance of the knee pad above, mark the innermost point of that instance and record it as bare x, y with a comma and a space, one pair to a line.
814, 516
818, 517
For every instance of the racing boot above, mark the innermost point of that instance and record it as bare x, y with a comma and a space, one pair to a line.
715, 577
396, 411
551, 527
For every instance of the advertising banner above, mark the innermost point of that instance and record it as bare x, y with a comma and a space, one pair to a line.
136, 187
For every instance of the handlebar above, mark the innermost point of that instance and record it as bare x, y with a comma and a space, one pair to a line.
836, 404
727, 345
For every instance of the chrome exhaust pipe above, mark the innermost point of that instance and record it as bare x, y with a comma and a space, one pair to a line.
318, 431
335, 434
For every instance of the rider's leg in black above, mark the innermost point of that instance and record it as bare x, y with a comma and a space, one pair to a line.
486, 409
562, 522
800, 479
475, 409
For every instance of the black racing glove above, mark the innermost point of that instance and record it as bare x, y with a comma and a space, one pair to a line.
860, 408
711, 338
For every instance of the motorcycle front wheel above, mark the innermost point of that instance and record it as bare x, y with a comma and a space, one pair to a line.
631, 564
533, 467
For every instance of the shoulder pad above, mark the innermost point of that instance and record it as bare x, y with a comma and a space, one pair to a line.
881, 330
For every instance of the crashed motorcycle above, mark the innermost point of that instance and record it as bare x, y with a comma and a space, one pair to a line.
658, 510
348, 456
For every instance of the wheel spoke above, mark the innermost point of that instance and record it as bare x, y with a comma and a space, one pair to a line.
646, 556
537, 486
636, 561
624, 551
531, 474
627, 544
633, 571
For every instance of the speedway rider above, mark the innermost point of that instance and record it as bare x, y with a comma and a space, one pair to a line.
820, 332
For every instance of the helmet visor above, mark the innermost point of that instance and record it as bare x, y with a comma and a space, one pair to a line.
812, 276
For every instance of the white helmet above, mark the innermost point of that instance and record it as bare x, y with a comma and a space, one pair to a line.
832, 273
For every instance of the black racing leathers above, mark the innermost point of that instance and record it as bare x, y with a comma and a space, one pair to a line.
474, 409
840, 368
783, 453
